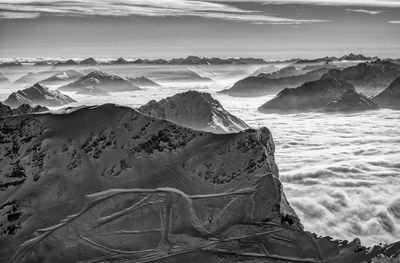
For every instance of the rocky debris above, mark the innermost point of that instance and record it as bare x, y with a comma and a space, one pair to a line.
97, 81
389, 97
310, 96
369, 78
269, 84
196, 110
37, 95
351, 101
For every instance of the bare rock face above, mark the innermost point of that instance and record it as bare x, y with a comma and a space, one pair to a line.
351, 101
310, 96
195, 110
155, 192
37, 95
390, 97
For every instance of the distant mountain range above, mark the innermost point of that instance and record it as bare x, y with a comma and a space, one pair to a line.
196, 110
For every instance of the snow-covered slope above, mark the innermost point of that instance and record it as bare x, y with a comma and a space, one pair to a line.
195, 110
156, 192
37, 95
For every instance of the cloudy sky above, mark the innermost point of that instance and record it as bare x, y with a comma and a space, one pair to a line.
174, 28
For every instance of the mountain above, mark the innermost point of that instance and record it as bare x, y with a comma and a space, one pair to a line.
89, 62
155, 192
37, 95
310, 96
268, 84
62, 77
119, 61
100, 80
195, 60
351, 57
172, 74
68, 62
10, 64
369, 78
195, 110
143, 82
42, 63
5, 110
351, 101
390, 97
93, 90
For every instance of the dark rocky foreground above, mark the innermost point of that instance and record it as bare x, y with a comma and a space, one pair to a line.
156, 192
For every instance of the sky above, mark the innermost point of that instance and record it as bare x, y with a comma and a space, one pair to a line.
269, 29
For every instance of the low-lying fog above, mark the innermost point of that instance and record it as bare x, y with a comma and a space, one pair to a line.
341, 172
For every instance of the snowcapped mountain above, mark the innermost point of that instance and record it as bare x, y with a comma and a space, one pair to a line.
310, 96
100, 81
156, 192
196, 110
37, 95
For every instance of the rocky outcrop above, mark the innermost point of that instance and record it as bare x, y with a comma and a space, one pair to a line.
369, 78
37, 95
351, 101
270, 84
195, 110
310, 96
100, 81
390, 97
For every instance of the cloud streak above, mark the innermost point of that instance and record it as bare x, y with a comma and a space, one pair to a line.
116, 8
370, 12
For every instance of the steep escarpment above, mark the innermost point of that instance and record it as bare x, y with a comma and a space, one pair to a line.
196, 110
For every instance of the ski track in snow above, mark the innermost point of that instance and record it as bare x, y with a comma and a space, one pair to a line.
340, 172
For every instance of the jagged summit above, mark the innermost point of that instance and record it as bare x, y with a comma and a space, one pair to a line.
196, 110
310, 96
390, 97
351, 101
100, 81
38, 95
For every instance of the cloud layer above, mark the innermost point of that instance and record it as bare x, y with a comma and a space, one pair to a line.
165, 8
